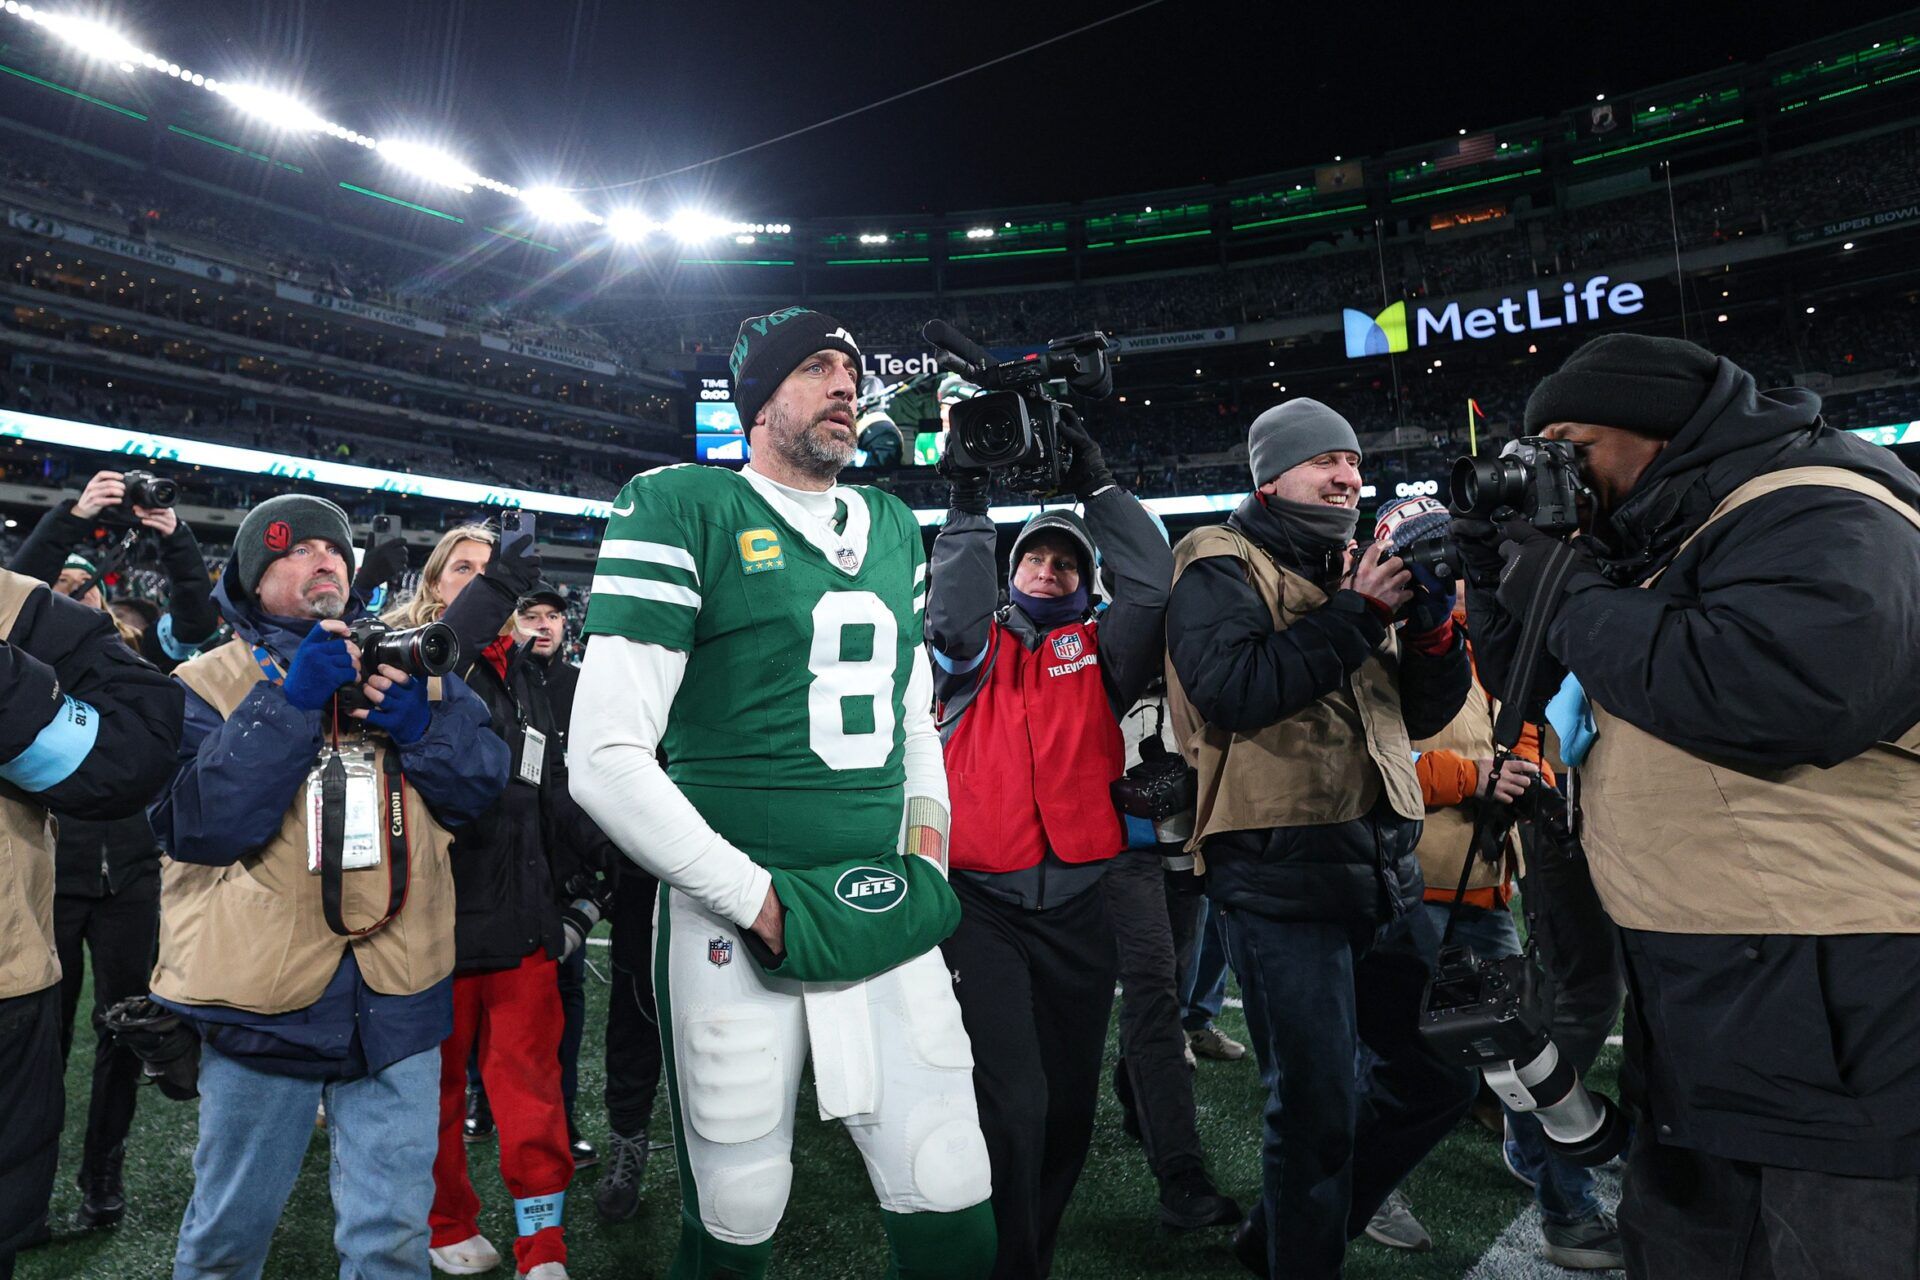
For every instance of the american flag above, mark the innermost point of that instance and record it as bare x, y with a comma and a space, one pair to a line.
1468, 149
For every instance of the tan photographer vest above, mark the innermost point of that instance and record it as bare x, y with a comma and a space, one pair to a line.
252, 935
1682, 844
1447, 837
28, 961
1325, 763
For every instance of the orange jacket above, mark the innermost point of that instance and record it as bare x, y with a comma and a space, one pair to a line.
1448, 778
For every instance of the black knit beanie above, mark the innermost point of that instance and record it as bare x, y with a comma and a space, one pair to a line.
1643, 384
771, 346
280, 524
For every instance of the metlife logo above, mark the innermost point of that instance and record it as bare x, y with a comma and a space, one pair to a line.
1391, 332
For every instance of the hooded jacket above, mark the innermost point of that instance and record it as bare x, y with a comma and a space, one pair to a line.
1783, 635
966, 618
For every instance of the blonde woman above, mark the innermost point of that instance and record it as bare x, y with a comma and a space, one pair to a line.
507, 934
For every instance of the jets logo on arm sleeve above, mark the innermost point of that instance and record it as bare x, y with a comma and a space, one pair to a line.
646, 585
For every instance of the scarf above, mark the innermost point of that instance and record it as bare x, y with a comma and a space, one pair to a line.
1308, 537
1049, 612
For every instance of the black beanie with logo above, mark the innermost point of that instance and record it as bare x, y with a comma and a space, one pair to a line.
771, 346
280, 524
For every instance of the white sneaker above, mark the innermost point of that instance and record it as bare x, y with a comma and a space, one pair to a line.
545, 1271
470, 1257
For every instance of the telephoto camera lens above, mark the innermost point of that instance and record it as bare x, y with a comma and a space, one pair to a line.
1586, 1128
1481, 486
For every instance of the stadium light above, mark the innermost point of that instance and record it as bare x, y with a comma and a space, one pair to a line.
1847, 245
551, 204
690, 226
979, 233
630, 226
280, 110
868, 238
95, 39
428, 162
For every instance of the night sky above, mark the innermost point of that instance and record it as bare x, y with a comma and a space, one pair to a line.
587, 92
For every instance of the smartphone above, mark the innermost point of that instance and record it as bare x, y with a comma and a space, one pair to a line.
385, 529
517, 530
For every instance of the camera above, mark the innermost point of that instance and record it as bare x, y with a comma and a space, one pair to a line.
1435, 553
1534, 476
1014, 427
145, 489
1496, 1016
431, 650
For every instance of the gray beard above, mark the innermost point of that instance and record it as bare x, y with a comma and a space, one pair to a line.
327, 606
807, 453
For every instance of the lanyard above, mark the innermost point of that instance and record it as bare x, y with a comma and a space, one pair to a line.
333, 836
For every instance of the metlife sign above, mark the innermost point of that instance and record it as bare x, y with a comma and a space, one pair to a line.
1594, 299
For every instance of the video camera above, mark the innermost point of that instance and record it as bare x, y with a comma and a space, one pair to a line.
1534, 476
1014, 428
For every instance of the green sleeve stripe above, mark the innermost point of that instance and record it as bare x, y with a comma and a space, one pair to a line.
614, 585
660, 553
643, 571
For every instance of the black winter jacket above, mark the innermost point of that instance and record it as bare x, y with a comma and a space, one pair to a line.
1784, 635
191, 618
1242, 674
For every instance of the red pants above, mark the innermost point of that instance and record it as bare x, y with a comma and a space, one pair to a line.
514, 1015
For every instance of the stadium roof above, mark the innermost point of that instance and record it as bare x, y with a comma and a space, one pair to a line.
591, 93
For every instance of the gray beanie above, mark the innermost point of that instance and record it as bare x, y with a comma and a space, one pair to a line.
278, 525
1289, 434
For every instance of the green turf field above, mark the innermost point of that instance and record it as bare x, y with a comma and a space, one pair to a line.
832, 1228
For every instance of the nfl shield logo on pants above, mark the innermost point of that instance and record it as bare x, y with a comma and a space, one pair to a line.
720, 951
1068, 647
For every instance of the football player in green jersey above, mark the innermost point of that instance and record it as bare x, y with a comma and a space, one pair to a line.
762, 630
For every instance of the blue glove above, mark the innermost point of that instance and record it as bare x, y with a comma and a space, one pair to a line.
1431, 606
320, 666
403, 712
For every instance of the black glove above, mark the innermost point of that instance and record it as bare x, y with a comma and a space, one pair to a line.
968, 486
383, 564
1429, 610
1089, 473
515, 564
1479, 543
1530, 555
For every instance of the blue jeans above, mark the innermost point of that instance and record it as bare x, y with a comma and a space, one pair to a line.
254, 1130
1335, 1144
1564, 1189
1204, 988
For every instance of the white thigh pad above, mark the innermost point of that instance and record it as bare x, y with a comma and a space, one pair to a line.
932, 1013
730, 1066
743, 1205
949, 1157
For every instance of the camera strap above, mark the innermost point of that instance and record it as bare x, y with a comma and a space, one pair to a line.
333, 830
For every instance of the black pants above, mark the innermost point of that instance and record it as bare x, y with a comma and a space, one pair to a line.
1336, 1146
1035, 989
1153, 1059
119, 933
633, 1028
1685, 1215
33, 1105
573, 1011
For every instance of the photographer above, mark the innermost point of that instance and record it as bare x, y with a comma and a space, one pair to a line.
587, 870
1739, 616
1031, 693
1296, 696
190, 619
312, 987
509, 936
1460, 774
86, 726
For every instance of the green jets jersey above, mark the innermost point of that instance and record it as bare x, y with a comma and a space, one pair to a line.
800, 634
